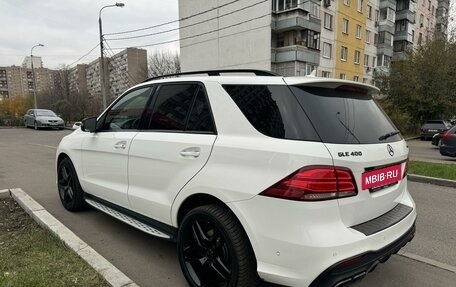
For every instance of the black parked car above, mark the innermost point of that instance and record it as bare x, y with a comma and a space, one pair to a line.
430, 128
448, 143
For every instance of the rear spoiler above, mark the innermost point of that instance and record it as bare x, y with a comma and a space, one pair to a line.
333, 84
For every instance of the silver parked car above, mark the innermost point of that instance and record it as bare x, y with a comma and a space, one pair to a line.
40, 118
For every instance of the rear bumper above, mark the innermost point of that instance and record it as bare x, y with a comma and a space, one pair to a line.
299, 243
356, 267
50, 125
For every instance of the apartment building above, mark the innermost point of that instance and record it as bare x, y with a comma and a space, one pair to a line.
124, 70
18, 81
346, 39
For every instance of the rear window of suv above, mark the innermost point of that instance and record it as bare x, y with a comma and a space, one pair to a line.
310, 113
273, 111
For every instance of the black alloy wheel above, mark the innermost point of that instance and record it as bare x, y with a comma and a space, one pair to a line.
214, 250
70, 191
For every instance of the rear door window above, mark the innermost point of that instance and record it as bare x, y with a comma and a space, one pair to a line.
273, 111
345, 115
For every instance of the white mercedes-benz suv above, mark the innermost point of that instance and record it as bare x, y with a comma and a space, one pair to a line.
299, 181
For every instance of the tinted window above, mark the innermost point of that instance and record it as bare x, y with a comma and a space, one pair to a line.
200, 119
273, 111
345, 116
126, 113
172, 106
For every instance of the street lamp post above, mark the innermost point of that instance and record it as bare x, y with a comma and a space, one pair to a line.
102, 77
33, 74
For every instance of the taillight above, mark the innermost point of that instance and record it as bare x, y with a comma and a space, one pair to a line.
447, 135
406, 168
315, 183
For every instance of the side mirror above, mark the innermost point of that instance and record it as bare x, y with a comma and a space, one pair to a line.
89, 124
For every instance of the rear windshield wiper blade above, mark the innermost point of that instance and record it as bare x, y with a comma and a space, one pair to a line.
388, 135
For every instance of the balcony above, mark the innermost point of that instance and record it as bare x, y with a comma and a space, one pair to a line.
293, 20
406, 14
385, 49
295, 53
403, 36
388, 4
386, 25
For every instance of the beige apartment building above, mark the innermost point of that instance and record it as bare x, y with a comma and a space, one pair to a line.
124, 70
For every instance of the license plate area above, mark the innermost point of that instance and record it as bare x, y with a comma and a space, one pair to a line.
380, 178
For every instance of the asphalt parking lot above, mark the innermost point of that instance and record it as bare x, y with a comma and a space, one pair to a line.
27, 162
425, 151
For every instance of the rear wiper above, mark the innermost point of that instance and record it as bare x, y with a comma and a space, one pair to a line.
388, 135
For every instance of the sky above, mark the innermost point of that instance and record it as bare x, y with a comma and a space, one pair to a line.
69, 29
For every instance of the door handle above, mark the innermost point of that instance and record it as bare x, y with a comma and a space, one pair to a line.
190, 152
120, 145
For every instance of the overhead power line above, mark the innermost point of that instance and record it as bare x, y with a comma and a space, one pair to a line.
194, 36
85, 55
171, 22
190, 25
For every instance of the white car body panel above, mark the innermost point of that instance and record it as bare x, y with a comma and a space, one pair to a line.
104, 165
157, 170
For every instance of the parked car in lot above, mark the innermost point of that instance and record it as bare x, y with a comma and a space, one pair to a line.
76, 125
293, 180
448, 143
430, 128
41, 118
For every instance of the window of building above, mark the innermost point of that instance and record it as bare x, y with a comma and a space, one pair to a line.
327, 50
326, 74
429, 5
377, 15
356, 78
366, 60
381, 37
345, 26
357, 56
282, 5
328, 21
399, 46
402, 5
310, 68
421, 20
342, 76
312, 39
375, 39
368, 36
401, 25
315, 9
347, 2
360, 6
374, 61
343, 53
369, 12
358, 31
364, 80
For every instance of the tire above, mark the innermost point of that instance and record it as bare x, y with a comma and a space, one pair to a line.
70, 191
214, 250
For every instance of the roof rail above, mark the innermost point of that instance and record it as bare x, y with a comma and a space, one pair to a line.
215, 73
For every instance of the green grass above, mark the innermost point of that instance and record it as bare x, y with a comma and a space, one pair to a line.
31, 256
440, 170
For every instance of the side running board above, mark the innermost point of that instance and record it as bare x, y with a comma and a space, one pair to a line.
128, 219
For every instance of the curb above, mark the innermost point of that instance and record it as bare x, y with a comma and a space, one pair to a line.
432, 180
109, 272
